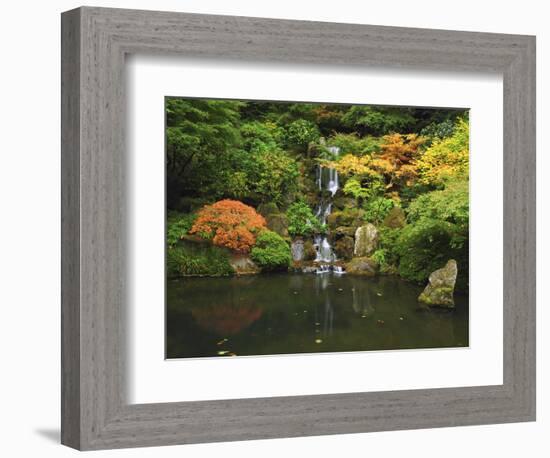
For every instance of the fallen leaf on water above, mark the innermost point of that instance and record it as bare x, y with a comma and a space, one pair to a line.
379, 294
221, 342
318, 341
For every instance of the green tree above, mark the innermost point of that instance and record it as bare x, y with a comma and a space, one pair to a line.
301, 133
446, 159
201, 139
376, 120
301, 220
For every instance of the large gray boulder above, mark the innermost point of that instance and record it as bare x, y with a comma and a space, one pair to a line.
441, 285
366, 240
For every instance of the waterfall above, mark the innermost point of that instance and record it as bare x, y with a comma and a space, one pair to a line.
327, 180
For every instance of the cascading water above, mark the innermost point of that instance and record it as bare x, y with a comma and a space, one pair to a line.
327, 180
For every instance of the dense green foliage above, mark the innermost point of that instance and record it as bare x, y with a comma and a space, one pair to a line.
265, 155
271, 252
301, 220
178, 225
186, 259
377, 209
438, 231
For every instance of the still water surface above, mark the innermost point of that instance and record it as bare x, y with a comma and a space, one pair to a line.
304, 313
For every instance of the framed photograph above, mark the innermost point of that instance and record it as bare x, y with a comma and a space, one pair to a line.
285, 228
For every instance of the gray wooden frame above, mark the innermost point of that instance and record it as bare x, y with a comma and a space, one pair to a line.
95, 413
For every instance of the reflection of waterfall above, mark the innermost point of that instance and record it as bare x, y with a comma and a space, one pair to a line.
327, 180
321, 289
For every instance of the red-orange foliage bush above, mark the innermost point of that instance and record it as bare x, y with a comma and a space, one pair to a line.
229, 223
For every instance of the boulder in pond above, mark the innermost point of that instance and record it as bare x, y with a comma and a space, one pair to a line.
362, 266
366, 240
441, 285
395, 219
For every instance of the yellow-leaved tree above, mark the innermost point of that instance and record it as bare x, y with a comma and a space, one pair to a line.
447, 159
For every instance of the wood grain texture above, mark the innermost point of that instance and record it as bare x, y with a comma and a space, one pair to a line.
96, 414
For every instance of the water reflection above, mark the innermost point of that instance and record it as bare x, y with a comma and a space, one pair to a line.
277, 314
226, 319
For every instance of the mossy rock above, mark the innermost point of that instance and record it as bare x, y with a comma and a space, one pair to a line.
395, 219
343, 231
342, 202
309, 251
343, 248
440, 288
350, 217
278, 222
362, 266
268, 208
366, 240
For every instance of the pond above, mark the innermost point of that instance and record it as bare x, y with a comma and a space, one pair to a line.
304, 313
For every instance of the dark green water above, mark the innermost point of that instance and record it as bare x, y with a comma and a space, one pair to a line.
304, 313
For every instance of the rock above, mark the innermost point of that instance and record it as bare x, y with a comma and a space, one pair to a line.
362, 266
343, 247
333, 219
309, 251
350, 217
243, 265
297, 250
278, 222
342, 231
309, 269
268, 208
395, 218
366, 240
341, 203
440, 288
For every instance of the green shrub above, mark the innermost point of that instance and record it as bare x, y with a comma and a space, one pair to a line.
300, 133
426, 246
271, 252
186, 259
353, 144
301, 220
387, 257
178, 225
450, 204
377, 208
